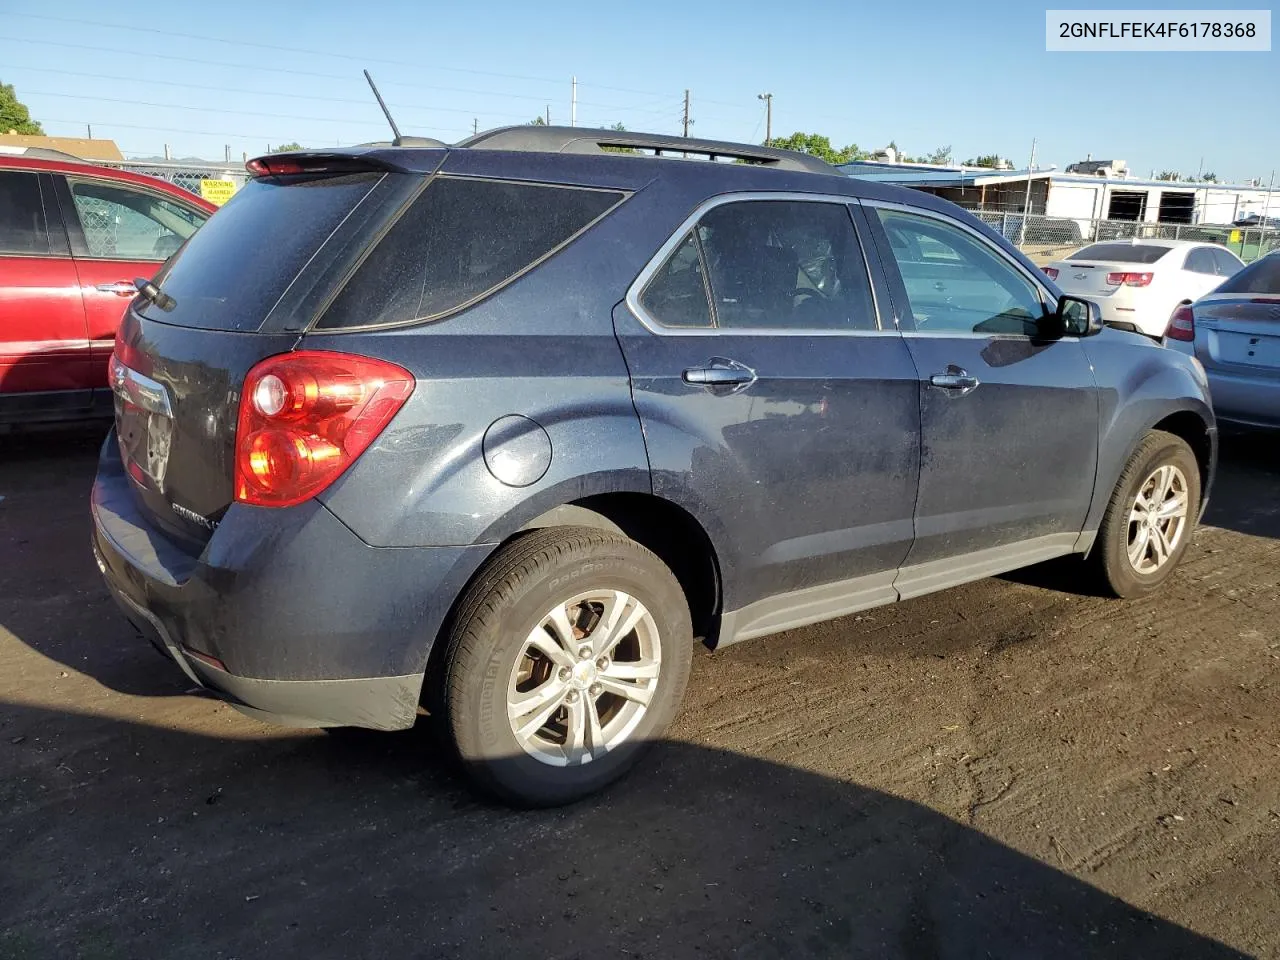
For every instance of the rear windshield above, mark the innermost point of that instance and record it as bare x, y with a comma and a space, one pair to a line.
460, 240
1121, 252
1261, 276
234, 268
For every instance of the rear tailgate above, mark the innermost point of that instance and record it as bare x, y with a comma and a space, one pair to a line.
1239, 333
1088, 278
241, 290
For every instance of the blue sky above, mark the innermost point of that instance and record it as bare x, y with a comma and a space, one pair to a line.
924, 74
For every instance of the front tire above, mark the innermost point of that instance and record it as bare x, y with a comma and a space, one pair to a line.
567, 660
1150, 517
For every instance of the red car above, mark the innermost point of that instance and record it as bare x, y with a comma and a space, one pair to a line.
73, 237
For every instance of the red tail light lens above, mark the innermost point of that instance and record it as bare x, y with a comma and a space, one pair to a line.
1182, 325
1050, 272
1129, 279
305, 417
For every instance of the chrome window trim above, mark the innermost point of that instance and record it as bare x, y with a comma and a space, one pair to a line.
141, 391
1046, 295
659, 260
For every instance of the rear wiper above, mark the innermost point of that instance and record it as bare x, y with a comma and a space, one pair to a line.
149, 291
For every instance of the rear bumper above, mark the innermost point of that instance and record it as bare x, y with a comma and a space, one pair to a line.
286, 614
1245, 400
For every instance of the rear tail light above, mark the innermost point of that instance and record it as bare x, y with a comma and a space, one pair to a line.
1050, 272
307, 416
1129, 279
1182, 325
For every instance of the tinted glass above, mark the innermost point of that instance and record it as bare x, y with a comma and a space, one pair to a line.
1261, 276
22, 226
232, 272
124, 224
956, 283
1121, 252
460, 240
1227, 263
790, 265
1201, 261
677, 294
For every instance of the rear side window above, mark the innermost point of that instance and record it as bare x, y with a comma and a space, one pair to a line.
766, 265
22, 226
124, 224
1121, 252
1261, 276
1201, 260
461, 240
234, 269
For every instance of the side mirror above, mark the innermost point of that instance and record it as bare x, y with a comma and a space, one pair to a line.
1078, 318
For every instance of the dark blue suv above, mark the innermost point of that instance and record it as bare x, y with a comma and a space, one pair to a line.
499, 429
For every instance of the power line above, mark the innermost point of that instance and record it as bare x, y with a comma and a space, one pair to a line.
245, 113
209, 133
417, 65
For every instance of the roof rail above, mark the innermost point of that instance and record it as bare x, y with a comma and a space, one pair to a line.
544, 139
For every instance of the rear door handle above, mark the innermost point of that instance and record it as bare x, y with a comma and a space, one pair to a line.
121, 288
719, 372
955, 379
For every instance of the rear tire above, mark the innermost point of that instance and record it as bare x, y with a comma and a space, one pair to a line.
568, 658
1150, 517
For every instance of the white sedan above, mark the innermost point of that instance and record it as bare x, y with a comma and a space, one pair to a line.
1142, 281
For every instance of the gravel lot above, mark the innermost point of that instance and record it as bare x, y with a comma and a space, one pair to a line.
1004, 769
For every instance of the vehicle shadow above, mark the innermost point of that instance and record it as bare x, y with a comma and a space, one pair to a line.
1246, 493
125, 840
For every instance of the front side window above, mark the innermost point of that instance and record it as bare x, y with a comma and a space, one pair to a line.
22, 225
120, 223
459, 241
1228, 264
956, 283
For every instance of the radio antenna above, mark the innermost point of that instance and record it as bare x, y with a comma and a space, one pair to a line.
385, 112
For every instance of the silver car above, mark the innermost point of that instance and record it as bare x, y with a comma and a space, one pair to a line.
1234, 332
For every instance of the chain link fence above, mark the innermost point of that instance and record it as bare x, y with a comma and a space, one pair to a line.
188, 176
1047, 238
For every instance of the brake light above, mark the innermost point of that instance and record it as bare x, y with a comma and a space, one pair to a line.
273, 168
307, 416
130, 356
1182, 325
1129, 279
1050, 272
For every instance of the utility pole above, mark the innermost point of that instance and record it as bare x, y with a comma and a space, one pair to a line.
1026, 203
687, 121
226, 149
1266, 208
768, 115
573, 105
548, 114
475, 125
90, 128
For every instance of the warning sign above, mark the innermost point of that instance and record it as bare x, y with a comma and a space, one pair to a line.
217, 192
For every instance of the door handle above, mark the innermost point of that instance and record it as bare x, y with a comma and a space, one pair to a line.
121, 288
719, 372
955, 379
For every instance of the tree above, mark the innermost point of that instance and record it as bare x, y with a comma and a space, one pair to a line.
618, 128
287, 147
1210, 177
14, 115
989, 160
1169, 175
537, 122
816, 145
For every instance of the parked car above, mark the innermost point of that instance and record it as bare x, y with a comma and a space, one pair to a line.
73, 237
1235, 333
501, 428
1139, 282
1257, 220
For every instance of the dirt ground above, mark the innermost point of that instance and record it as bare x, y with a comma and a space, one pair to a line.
1005, 769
